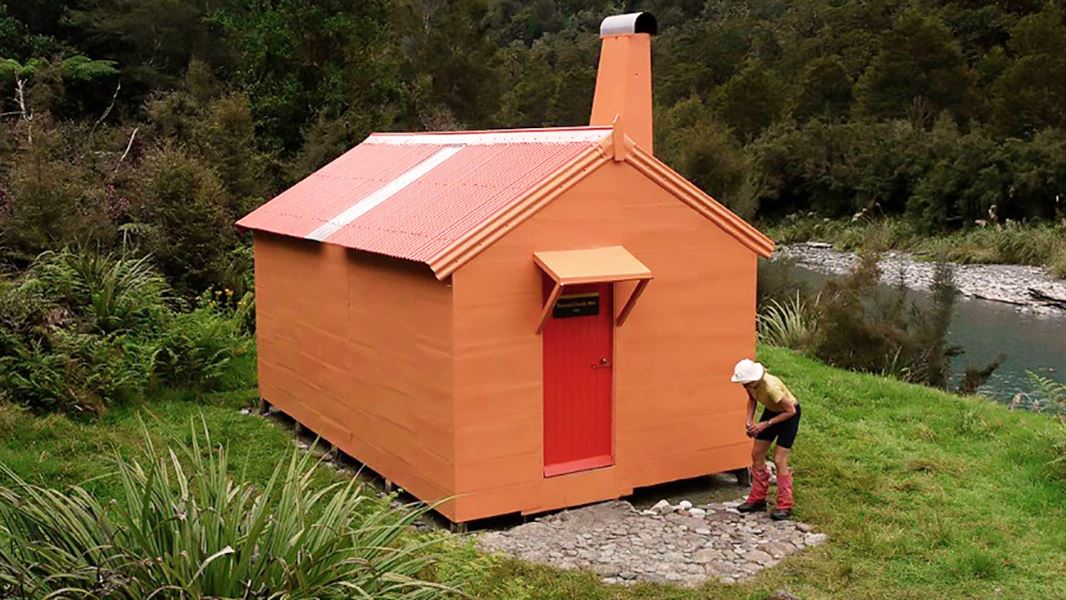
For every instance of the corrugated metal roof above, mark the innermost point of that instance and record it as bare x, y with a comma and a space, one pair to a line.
412, 196
439, 198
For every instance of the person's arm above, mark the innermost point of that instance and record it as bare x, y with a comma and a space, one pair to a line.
751, 414
788, 413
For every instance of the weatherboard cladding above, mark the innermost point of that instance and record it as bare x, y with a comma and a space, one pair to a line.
412, 196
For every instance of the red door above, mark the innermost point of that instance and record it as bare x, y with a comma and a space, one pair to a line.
577, 380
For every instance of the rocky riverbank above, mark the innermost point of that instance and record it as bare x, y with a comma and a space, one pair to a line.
1025, 287
681, 544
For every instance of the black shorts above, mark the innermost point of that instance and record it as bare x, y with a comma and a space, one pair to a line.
785, 431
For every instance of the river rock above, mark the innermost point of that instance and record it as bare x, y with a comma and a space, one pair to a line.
662, 507
813, 539
1010, 284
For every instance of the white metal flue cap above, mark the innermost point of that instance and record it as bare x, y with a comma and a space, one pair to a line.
629, 24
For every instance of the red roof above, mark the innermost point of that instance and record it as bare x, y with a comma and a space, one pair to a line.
429, 197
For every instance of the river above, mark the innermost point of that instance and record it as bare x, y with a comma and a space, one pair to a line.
1034, 341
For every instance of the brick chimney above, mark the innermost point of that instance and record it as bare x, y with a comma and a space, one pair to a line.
623, 81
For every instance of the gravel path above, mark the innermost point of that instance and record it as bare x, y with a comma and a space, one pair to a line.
1001, 283
680, 544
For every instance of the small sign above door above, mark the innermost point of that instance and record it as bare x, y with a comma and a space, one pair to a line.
577, 305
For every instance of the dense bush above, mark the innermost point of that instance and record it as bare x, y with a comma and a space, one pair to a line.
188, 528
864, 329
83, 330
856, 323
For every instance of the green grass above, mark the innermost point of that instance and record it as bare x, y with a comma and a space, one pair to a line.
1041, 245
923, 494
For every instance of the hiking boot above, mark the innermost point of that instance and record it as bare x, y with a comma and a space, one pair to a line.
779, 514
748, 507
760, 486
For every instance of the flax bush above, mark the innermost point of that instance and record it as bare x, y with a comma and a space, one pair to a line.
790, 323
188, 528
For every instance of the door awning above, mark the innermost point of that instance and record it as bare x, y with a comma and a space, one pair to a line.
610, 264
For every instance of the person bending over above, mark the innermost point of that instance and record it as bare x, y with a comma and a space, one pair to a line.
780, 421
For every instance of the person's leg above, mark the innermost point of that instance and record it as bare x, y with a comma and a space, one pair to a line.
781, 459
760, 478
758, 454
783, 509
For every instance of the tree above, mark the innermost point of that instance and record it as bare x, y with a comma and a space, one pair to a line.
751, 100
299, 59
448, 43
918, 65
703, 150
1031, 92
184, 202
824, 90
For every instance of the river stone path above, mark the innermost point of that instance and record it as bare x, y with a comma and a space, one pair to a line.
680, 543
1000, 283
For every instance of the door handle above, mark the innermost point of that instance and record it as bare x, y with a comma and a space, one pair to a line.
603, 364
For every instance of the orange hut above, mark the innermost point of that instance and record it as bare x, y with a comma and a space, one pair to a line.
515, 321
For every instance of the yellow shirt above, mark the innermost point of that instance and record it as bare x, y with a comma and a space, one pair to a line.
772, 393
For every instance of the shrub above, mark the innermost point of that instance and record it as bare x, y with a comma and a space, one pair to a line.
862, 328
187, 528
184, 202
1057, 263
1047, 394
976, 376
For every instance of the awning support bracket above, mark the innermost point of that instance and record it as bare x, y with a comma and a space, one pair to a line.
548, 306
637, 291
557, 290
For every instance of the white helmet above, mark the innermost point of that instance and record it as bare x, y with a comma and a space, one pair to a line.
747, 371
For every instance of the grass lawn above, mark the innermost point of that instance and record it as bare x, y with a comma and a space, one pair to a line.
923, 494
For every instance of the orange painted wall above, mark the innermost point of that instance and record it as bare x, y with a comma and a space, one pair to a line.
358, 348
675, 415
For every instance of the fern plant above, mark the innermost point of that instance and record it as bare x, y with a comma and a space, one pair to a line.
1048, 393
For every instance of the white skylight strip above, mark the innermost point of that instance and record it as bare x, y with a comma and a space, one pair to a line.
564, 136
383, 193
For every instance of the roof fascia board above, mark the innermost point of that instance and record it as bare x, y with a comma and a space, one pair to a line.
461, 252
696, 198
